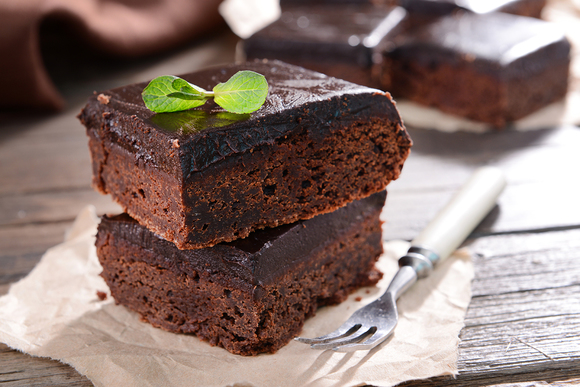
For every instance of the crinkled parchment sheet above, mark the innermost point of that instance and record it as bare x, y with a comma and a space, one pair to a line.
55, 312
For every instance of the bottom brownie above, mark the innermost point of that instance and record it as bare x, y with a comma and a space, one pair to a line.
251, 295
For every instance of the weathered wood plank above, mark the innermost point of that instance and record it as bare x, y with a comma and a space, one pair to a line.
440, 159
533, 272
47, 207
547, 378
523, 320
525, 311
23, 246
524, 207
541, 194
558, 383
4, 288
31, 238
521, 305
48, 155
18, 369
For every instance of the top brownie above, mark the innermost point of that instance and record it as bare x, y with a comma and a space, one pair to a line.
205, 176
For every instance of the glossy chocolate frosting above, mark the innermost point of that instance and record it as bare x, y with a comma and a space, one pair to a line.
518, 46
429, 7
261, 258
349, 33
444, 7
186, 142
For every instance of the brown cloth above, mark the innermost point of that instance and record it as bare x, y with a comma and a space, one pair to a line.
127, 28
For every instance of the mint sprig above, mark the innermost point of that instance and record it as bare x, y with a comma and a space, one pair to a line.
245, 92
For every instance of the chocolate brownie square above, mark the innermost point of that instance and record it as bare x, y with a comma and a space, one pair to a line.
494, 68
343, 41
531, 8
251, 295
205, 176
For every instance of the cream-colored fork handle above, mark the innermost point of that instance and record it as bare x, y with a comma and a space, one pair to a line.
463, 213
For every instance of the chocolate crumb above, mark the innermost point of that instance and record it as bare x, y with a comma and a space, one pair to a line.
175, 143
104, 99
102, 295
358, 298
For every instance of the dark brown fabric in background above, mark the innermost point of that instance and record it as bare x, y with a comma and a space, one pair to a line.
127, 28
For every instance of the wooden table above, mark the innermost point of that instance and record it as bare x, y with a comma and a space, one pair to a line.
523, 324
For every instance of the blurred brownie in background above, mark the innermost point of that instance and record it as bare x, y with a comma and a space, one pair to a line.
531, 8
493, 68
343, 41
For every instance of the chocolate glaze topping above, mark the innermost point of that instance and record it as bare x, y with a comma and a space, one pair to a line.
208, 134
492, 41
429, 7
261, 258
348, 33
444, 7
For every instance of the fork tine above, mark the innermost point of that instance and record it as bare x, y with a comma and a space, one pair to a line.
342, 331
372, 342
348, 340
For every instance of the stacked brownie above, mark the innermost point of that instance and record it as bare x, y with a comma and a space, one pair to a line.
237, 227
487, 61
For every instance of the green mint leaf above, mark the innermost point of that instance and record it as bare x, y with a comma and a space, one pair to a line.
245, 92
161, 96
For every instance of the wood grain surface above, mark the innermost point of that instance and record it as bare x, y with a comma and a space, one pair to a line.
522, 326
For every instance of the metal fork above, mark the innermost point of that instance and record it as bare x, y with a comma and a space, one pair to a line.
375, 322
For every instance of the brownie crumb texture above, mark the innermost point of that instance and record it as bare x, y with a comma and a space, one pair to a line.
104, 99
